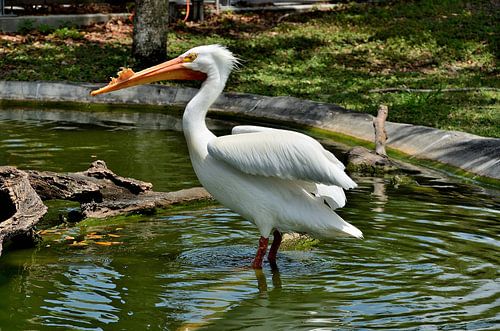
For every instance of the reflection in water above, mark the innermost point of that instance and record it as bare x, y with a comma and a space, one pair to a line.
262, 282
86, 296
429, 260
379, 194
114, 120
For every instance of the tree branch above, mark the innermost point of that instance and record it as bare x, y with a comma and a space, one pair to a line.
412, 90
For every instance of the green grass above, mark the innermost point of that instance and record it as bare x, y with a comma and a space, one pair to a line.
55, 60
335, 56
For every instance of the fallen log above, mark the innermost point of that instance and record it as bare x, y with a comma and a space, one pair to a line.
100, 192
20, 207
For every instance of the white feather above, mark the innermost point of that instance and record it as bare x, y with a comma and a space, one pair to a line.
249, 129
333, 195
253, 128
280, 153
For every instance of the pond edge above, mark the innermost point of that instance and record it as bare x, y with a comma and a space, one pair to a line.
467, 152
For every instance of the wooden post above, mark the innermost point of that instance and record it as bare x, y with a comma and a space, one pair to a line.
380, 133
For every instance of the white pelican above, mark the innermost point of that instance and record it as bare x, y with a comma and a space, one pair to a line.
279, 180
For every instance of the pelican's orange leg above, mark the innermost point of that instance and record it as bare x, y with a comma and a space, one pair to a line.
261, 252
274, 246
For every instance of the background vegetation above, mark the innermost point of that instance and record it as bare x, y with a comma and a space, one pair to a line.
339, 56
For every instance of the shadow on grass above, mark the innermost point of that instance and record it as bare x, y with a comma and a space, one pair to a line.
453, 23
92, 62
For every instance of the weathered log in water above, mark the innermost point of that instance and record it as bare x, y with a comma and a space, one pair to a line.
360, 159
20, 206
121, 201
380, 132
100, 192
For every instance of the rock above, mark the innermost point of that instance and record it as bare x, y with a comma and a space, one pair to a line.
360, 159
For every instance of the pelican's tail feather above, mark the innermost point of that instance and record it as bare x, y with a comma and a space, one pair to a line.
337, 227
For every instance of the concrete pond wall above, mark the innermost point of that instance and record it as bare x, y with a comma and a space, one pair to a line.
15, 23
472, 153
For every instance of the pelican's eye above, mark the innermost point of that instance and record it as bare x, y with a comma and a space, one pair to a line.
190, 57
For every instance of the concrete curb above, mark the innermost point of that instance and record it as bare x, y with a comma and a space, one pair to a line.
14, 23
475, 154
282, 7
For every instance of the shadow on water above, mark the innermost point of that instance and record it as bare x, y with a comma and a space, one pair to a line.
430, 257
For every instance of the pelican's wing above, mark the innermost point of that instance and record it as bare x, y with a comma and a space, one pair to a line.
253, 128
280, 153
333, 195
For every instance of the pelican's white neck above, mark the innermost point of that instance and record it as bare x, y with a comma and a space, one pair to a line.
193, 120
196, 109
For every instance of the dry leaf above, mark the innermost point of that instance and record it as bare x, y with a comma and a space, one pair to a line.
103, 243
94, 236
113, 235
47, 231
108, 243
78, 244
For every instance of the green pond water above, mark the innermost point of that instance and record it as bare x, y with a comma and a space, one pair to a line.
429, 261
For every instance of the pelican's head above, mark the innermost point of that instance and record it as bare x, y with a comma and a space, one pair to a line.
210, 60
199, 63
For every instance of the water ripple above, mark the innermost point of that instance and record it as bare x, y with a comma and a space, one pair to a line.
429, 260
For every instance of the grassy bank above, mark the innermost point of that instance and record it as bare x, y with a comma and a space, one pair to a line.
338, 56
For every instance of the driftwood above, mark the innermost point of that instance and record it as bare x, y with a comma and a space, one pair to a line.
363, 160
100, 192
360, 159
20, 206
380, 133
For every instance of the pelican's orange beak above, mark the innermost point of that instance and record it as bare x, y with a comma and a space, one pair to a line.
170, 70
